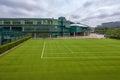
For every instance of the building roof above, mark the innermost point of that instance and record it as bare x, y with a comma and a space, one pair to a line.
27, 19
79, 25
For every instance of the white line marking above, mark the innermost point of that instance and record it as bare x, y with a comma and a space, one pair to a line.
68, 49
88, 52
92, 57
43, 50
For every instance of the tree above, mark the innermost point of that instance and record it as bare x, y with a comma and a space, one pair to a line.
113, 33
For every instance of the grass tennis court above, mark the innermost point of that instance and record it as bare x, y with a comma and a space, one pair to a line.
63, 59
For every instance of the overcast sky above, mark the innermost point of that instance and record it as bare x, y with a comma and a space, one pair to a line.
90, 12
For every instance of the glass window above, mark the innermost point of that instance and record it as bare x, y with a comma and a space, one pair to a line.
6, 22
1, 22
39, 22
22, 22
28, 22
16, 22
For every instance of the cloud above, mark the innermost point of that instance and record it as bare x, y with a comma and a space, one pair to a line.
90, 12
75, 16
87, 4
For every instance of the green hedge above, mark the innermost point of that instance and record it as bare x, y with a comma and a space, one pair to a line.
8, 46
113, 33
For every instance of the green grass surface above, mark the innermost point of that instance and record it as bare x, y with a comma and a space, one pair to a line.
65, 59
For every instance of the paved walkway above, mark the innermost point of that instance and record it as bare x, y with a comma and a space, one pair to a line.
92, 35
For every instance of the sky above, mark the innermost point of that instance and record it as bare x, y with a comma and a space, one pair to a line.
89, 12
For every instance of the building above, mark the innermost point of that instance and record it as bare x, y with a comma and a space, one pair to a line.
40, 27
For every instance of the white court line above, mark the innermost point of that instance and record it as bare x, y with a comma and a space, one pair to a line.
68, 49
94, 52
43, 50
88, 52
52, 49
59, 57
92, 57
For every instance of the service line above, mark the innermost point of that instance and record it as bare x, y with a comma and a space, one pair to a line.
43, 50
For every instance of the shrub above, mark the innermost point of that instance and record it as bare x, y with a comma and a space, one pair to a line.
113, 33
10, 45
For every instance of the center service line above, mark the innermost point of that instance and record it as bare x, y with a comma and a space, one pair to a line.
43, 50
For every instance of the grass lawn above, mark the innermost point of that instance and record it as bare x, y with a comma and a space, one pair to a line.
63, 59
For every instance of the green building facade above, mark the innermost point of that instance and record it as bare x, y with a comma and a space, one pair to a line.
39, 27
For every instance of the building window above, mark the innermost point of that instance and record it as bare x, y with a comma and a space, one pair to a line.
1, 22
42, 22
6, 22
22, 22
28, 22
34, 22
16, 22
50, 22
55, 22
39, 22
45, 21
